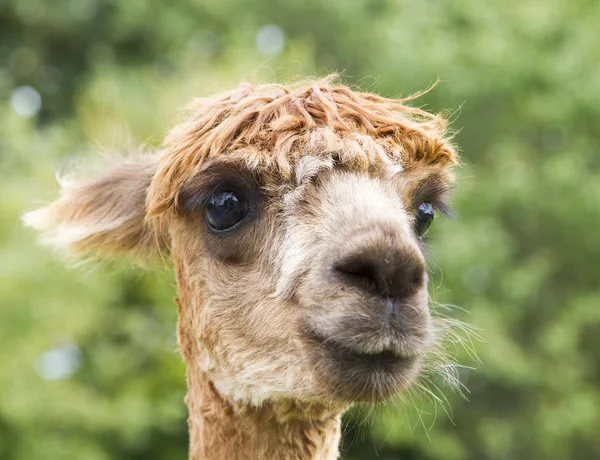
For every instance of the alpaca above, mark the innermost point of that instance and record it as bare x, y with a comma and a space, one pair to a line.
294, 219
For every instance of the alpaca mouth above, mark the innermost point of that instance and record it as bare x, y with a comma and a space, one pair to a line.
380, 359
356, 376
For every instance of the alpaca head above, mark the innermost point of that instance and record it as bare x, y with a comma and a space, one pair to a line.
294, 217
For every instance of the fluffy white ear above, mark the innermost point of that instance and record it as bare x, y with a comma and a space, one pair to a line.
103, 216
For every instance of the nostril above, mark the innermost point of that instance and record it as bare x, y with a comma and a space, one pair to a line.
359, 272
362, 270
418, 276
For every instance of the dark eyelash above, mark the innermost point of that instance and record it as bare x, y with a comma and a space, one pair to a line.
192, 200
435, 193
441, 207
196, 194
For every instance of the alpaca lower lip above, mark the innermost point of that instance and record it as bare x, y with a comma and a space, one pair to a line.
378, 359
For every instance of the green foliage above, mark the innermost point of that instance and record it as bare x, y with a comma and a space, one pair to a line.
523, 82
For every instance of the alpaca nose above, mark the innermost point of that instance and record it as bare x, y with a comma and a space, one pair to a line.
386, 270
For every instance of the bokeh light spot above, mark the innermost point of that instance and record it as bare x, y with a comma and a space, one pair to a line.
26, 101
270, 40
59, 362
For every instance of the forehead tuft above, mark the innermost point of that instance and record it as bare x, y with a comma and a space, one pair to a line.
270, 128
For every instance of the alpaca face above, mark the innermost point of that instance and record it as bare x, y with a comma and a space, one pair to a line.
294, 218
312, 290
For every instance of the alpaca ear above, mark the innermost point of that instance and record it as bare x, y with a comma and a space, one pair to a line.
102, 216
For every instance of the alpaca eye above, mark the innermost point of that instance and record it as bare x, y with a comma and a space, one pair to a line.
424, 218
225, 209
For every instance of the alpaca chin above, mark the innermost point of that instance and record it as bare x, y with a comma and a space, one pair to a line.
358, 377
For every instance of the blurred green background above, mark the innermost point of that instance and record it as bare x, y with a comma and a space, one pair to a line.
87, 362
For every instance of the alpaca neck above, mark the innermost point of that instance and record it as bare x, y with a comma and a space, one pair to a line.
222, 429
